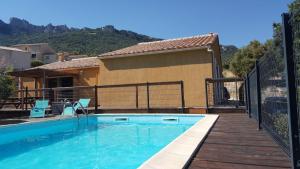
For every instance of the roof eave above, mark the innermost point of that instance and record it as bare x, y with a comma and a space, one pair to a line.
153, 52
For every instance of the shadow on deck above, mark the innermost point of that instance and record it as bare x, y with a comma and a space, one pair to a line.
235, 143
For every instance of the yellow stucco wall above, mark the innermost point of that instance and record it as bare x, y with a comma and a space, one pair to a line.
87, 77
28, 82
190, 66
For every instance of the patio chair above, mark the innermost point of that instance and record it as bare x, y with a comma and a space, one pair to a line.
70, 110
39, 108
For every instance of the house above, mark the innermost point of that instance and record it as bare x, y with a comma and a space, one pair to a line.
39, 51
13, 57
187, 60
190, 59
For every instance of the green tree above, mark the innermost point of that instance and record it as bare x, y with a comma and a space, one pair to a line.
294, 9
7, 85
244, 59
294, 6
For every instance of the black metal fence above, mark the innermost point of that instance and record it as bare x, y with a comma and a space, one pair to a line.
273, 90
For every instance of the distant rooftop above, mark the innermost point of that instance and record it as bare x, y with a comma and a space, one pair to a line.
164, 46
11, 48
30, 44
72, 57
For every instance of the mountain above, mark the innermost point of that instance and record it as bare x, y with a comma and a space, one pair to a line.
62, 38
227, 52
79, 41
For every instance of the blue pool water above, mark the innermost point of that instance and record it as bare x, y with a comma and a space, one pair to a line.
99, 142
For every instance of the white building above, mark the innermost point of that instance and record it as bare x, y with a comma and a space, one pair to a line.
13, 57
39, 51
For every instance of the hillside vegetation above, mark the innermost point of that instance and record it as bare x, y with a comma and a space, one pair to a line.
61, 38
80, 41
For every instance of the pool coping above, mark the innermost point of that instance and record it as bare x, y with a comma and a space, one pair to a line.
178, 153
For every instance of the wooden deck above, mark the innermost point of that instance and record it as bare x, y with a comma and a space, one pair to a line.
235, 143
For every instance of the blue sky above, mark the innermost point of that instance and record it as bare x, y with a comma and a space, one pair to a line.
236, 21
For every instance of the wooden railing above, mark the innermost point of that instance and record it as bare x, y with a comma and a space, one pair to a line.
122, 96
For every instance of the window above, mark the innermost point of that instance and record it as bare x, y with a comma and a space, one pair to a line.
33, 56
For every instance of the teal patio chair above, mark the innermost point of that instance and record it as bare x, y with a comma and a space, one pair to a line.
71, 109
39, 108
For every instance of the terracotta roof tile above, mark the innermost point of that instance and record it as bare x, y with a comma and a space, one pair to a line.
75, 63
164, 45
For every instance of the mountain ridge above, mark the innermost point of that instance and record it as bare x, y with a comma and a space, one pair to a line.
74, 40
90, 41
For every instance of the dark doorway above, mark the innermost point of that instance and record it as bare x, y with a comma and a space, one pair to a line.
65, 82
66, 94
52, 83
60, 82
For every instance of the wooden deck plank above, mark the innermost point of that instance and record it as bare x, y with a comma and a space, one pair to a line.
235, 142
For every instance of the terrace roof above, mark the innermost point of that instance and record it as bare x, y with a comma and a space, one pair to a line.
58, 68
40, 72
75, 63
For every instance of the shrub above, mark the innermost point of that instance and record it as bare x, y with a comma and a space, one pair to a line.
36, 63
281, 126
6, 85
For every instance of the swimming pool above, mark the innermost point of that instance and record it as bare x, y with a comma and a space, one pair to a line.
100, 141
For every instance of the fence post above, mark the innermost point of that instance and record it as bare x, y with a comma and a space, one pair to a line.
236, 95
136, 97
258, 94
22, 98
96, 99
292, 92
53, 93
206, 96
182, 97
249, 98
245, 93
26, 98
148, 98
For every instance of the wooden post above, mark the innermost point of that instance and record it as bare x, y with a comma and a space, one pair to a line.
136, 97
54, 94
22, 98
148, 98
182, 97
44, 84
35, 87
26, 98
96, 99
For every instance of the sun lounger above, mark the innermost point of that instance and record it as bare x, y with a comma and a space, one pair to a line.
39, 108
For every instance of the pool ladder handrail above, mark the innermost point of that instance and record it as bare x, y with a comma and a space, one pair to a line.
82, 108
